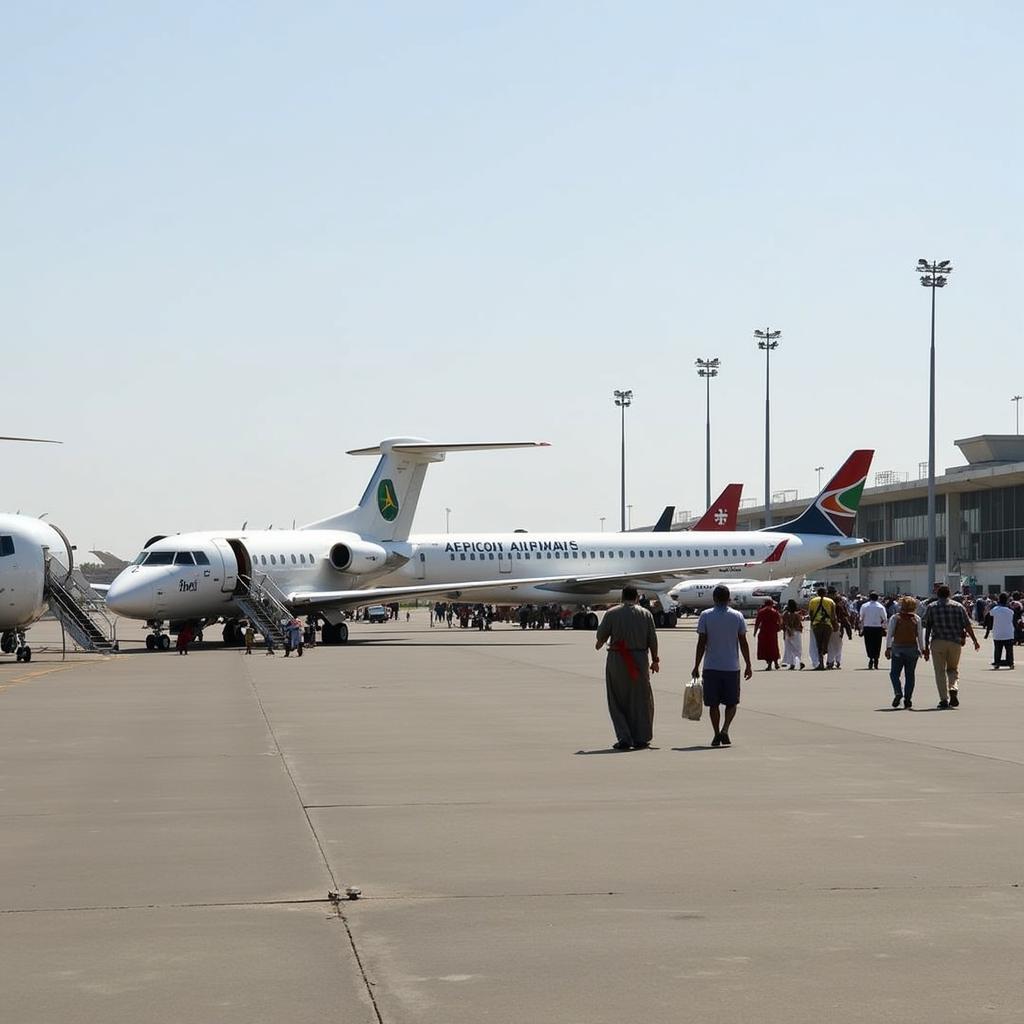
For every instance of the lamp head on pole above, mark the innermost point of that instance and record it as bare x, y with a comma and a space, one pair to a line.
707, 367
624, 399
768, 339
935, 274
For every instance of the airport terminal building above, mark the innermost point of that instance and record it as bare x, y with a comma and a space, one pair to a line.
979, 524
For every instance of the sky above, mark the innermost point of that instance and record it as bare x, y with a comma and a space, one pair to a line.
239, 239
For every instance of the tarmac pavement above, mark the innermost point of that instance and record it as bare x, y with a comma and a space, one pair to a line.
170, 829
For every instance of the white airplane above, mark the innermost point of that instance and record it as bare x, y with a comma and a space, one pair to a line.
36, 571
746, 595
366, 555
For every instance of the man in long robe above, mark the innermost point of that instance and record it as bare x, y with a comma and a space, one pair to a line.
630, 630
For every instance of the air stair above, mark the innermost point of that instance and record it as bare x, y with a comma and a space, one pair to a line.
263, 605
79, 609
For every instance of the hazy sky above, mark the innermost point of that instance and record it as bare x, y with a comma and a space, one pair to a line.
237, 239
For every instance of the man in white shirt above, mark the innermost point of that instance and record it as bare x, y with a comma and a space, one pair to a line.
1002, 632
872, 627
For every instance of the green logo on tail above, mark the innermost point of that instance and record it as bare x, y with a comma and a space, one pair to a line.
387, 500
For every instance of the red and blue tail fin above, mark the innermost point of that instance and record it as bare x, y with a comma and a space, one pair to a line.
833, 511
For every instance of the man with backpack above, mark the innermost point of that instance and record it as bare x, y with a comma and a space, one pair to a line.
821, 610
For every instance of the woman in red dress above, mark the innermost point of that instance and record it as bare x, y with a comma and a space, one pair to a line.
766, 629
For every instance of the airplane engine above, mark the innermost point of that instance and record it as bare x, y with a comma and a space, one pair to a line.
357, 557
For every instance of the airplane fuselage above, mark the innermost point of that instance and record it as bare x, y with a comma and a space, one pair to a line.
195, 575
24, 542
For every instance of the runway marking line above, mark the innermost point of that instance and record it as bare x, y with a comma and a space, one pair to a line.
19, 680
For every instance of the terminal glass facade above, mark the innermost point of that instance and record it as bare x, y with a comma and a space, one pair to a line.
992, 524
905, 521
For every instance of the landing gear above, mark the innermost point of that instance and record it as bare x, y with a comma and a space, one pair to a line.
334, 634
23, 653
158, 640
9, 642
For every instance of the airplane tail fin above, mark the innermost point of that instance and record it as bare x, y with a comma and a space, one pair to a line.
721, 513
388, 505
664, 523
832, 512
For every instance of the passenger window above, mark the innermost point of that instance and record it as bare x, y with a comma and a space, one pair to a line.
200, 557
293, 561
273, 560
184, 558
6, 546
558, 554
263, 559
462, 556
660, 554
312, 560
716, 552
705, 552
302, 559
452, 557
621, 555
472, 557
650, 554
575, 554
632, 554
490, 557
282, 559
687, 552
733, 552
601, 553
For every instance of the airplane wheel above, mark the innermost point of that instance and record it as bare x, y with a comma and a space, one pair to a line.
165, 642
329, 635
150, 642
25, 654
342, 628
591, 622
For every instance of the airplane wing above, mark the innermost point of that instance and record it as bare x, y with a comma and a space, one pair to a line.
860, 547
582, 585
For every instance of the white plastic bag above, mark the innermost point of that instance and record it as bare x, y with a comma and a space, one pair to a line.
693, 700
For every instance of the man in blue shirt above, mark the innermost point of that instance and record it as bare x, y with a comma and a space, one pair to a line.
721, 635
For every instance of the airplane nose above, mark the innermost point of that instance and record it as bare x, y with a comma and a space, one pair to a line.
132, 595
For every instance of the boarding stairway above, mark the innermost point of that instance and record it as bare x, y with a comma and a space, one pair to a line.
263, 605
79, 609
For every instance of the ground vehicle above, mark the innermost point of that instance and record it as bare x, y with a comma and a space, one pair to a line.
376, 613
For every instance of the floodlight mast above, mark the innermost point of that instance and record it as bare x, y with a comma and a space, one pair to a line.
708, 368
933, 275
1016, 401
623, 399
768, 340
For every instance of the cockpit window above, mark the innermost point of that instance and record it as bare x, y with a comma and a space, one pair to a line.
6, 546
141, 558
160, 558
200, 557
184, 558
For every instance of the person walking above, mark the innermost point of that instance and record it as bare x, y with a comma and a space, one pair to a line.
946, 627
822, 612
873, 622
842, 629
721, 636
767, 624
296, 640
630, 630
186, 633
793, 634
1002, 630
904, 645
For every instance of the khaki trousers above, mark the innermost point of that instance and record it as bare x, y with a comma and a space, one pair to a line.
946, 663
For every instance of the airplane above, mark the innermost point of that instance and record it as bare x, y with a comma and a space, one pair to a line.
36, 569
746, 595
367, 555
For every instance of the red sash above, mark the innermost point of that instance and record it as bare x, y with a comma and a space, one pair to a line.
627, 658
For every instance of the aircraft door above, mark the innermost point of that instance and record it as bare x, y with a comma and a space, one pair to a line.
229, 576
504, 562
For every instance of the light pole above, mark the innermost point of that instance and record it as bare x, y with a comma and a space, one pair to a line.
602, 523
933, 275
623, 399
1016, 401
768, 340
629, 517
818, 469
447, 520
708, 368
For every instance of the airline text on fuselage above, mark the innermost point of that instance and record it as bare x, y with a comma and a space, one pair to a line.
499, 547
